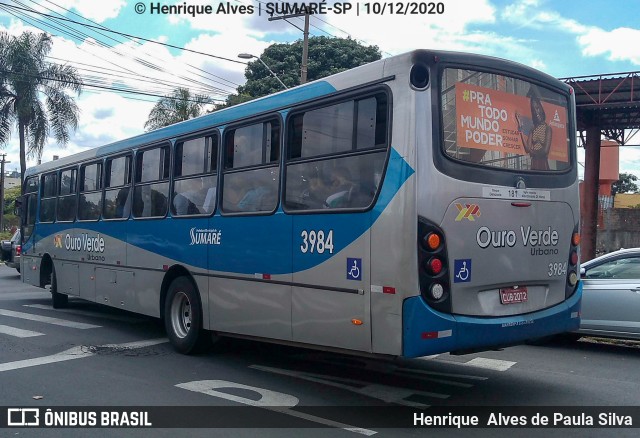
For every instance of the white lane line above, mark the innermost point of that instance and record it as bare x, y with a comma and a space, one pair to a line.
271, 400
47, 319
18, 333
490, 364
74, 353
386, 393
79, 312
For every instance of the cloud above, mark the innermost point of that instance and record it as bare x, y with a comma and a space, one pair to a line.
99, 11
529, 13
615, 44
395, 34
618, 44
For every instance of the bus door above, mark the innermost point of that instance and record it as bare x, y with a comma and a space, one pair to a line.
28, 209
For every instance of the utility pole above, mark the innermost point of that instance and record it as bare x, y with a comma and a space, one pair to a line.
305, 41
2, 163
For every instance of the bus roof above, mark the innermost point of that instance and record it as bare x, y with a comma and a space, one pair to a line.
295, 96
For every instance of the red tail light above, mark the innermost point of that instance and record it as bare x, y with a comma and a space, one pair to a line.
435, 265
18, 250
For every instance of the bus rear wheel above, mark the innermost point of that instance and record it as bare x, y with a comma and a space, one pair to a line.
58, 300
183, 317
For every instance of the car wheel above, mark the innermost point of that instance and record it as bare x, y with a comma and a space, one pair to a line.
183, 318
59, 301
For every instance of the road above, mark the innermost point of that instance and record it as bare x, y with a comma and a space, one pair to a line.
90, 356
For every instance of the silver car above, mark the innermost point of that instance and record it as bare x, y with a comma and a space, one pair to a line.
611, 295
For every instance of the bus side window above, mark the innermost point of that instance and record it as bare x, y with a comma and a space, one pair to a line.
48, 197
90, 201
67, 201
117, 199
151, 190
336, 155
195, 177
251, 177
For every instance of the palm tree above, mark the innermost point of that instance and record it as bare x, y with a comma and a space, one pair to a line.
33, 94
176, 107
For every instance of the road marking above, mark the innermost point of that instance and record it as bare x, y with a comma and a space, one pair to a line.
386, 393
270, 400
70, 354
436, 373
47, 319
120, 318
18, 333
490, 364
74, 353
389, 367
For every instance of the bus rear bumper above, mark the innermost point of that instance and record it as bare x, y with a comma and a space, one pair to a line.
427, 331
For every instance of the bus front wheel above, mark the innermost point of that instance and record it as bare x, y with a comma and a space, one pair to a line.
59, 301
183, 317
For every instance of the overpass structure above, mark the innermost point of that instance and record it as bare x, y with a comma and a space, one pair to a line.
607, 105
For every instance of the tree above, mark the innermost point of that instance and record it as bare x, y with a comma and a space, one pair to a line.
33, 94
625, 184
10, 196
327, 56
176, 107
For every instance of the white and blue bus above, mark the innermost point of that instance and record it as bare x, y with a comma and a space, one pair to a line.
420, 204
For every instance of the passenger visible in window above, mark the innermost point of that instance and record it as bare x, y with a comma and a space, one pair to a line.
253, 199
193, 196
209, 199
341, 188
121, 203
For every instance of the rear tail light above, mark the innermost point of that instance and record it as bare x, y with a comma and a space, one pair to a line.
572, 264
573, 278
435, 265
437, 291
575, 239
18, 250
432, 241
573, 259
433, 270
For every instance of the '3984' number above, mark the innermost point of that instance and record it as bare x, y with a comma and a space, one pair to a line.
316, 241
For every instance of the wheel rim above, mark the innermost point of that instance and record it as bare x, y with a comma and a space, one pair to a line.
181, 315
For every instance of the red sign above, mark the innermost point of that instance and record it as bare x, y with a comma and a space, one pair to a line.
499, 121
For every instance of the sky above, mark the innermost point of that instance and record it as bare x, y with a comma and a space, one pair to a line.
563, 38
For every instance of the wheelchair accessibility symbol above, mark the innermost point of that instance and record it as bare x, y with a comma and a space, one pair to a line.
354, 269
462, 271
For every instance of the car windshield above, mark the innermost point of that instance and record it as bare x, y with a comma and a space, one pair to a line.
627, 268
16, 236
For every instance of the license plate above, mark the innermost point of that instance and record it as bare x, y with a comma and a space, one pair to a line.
513, 295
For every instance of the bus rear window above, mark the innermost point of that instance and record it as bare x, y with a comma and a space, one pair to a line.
499, 121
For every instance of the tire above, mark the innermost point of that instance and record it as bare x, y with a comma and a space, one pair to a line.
59, 301
183, 318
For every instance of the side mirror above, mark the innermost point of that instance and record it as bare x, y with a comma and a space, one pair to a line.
583, 272
17, 210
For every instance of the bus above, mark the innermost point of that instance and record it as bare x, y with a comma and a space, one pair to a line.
423, 203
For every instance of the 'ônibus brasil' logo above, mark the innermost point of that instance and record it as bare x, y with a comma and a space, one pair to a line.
467, 211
